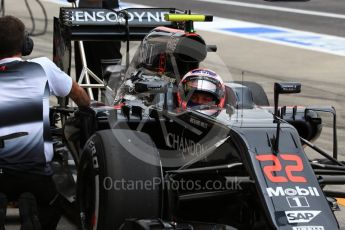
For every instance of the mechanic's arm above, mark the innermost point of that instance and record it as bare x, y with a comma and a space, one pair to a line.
62, 85
78, 95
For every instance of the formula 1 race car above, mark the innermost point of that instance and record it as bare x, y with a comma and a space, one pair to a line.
145, 162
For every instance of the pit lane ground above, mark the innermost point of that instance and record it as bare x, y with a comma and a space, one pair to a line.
322, 75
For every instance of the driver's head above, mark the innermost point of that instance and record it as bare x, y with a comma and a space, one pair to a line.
12, 31
201, 87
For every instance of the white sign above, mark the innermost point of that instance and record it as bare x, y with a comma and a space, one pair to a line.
296, 191
301, 216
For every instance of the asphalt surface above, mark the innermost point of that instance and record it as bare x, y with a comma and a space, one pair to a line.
322, 75
332, 26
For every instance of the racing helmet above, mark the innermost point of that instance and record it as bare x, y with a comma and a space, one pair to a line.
201, 88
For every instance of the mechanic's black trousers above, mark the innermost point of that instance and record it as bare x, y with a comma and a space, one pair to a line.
14, 183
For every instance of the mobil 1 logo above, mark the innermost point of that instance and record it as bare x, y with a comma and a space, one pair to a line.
292, 191
297, 202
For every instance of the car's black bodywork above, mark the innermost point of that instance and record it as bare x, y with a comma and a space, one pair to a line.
264, 178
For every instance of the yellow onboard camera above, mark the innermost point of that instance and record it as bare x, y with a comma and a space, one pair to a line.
188, 19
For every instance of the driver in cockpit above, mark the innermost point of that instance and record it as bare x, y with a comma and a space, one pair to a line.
201, 89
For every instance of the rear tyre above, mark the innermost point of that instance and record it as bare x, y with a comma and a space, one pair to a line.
111, 181
259, 94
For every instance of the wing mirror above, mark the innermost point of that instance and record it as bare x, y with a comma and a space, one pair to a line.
284, 88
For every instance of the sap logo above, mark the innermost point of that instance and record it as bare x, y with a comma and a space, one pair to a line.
301, 216
279, 191
308, 228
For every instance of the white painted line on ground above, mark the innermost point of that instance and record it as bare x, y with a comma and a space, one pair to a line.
278, 35
276, 8
266, 33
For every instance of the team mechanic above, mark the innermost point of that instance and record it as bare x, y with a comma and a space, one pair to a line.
24, 112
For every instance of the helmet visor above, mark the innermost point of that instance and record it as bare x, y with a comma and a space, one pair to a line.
201, 84
200, 90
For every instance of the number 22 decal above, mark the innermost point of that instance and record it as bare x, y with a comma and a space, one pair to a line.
271, 170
